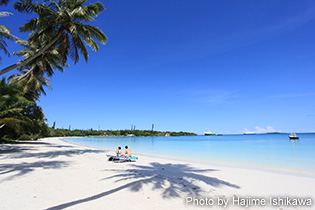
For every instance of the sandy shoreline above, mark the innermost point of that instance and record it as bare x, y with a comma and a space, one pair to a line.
196, 161
55, 174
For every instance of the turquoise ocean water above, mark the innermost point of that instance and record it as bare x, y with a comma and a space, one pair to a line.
260, 150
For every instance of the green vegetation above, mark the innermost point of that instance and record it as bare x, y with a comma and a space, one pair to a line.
20, 117
4, 34
57, 30
61, 25
91, 132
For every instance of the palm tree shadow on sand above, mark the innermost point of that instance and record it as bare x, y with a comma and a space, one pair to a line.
171, 179
45, 159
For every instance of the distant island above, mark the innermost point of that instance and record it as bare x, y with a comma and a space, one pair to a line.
113, 133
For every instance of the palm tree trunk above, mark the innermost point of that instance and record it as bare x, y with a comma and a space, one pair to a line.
29, 59
23, 76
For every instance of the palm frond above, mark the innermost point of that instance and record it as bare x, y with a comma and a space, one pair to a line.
5, 2
25, 6
3, 13
77, 42
59, 24
92, 31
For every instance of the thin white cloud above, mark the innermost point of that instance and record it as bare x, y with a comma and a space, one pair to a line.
270, 129
292, 95
202, 48
261, 130
214, 96
205, 47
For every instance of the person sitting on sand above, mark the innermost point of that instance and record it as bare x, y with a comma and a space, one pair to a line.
128, 151
118, 152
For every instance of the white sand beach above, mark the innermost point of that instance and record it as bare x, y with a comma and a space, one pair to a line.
53, 174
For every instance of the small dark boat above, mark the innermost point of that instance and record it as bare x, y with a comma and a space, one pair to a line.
293, 136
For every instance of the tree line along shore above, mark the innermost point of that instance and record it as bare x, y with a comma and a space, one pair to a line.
42, 130
116, 133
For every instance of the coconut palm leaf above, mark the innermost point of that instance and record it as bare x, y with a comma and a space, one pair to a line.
33, 83
61, 24
5, 2
12, 102
5, 33
47, 62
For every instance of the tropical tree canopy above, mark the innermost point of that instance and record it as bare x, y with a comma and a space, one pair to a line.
18, 115
4, 2
61, 24
32, 83
11, 111
33, 75
5, 33
57, 31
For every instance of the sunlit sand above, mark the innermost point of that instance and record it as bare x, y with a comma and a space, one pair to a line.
54, 174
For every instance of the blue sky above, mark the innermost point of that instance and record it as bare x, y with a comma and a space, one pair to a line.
228, 66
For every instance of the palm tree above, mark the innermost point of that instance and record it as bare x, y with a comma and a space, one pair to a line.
12, 103
18, 115
48, 61
4, 34
62, 25
33, 75
32, 82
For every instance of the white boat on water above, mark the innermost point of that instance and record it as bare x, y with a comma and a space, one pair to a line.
293, 136
209, 133
249, 133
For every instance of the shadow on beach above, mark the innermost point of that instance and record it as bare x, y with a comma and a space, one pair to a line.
27, 149
21, 169
18, 146
171, 179
177, 178
54, 154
